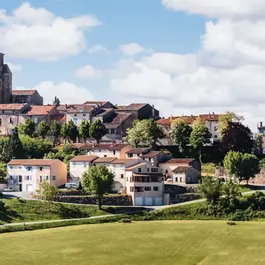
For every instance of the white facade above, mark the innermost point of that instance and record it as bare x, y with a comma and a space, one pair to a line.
213, 129
104, 153
77, 118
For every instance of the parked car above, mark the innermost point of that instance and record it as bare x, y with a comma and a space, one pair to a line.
71, 185
9, 189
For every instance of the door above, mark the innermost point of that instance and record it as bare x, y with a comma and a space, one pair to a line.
29, 188
138, 201
148, 201
20, 187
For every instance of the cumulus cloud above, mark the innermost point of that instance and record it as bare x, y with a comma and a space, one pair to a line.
66, 92
97, 49
227, 73
132, 49
36, 33
88, 71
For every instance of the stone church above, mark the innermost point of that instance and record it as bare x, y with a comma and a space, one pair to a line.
5, 82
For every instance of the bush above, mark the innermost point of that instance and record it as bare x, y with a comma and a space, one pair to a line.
231, 223
240, 215
125, 221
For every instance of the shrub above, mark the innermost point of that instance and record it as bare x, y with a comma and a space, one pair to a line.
231, 223
124, 221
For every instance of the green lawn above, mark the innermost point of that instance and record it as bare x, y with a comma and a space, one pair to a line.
164, 242
14, 210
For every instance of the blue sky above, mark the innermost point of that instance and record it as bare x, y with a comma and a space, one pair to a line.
186, 57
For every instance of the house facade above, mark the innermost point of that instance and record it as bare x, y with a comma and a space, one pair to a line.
185, 175
27, 174
144, 182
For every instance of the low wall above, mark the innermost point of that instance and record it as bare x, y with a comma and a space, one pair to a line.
184, 198
3, 186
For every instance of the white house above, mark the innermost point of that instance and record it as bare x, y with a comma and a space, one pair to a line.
144, 182
79, 165
27, 174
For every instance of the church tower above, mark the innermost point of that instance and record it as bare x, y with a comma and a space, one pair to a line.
5, 82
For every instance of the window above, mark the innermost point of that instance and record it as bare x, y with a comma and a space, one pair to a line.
176, 179
112, 131
180, 180
130, 155
215, 136
41, 168
84, 115
28, 168
99, 150
166, 171
47, 177
10, 177
139, 170
11, 121
0, 122
19, 178
155, 188
114, 152
27, 177
75, 115
131, 189
85, 165
149, 159
3, 111
154, 170
147, 188
53, 177
122, 176
105, 155
148, 169
40, 178
215, 128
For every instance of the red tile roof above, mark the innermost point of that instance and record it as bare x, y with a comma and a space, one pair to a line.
19, 92
150, 154
96, 102
120, 118
138, 151
33, 162
133, 106
83, 158
180, 160
181, 169
104, 160
36, 110
75, 108
12, 106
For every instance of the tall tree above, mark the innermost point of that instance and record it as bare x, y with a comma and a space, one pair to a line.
180, 134
27, 128
84, 130
97, 130
154, 131
5, 149
42, 129
200, 136
65, 132
237, 137
16, 145
55, 131
258, 145
242, 166
98, 180
56, 101
3, 173
72, 131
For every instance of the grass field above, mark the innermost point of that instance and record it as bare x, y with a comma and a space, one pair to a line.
14, 210
164, 242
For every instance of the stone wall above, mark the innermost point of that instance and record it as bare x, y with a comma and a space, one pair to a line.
184, 198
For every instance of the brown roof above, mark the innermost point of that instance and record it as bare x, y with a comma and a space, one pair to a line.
137, 151
121, 117
96, 102
39, 110
133, 106
180, 169
180, 160
19, 92
136, 166
104, 160
75, 108
33, 162
151, 154
103, 112
124, 161
12, 106
111, 125
83, 158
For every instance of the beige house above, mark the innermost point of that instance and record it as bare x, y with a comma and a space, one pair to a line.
10, 117
79, 165
144, 182
26, 174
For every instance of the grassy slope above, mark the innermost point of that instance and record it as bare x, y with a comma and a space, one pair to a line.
14, 210
165, 242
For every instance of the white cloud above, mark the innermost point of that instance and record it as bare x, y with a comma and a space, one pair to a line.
219, 9
88, 71
36, 33
66, 92
132, 49
227, 73
15, 68
97, 49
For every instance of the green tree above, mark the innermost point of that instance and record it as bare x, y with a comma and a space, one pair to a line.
42, 129
3, 173
27, 128
97, 130
211, 189
84, 130
72, 131
237, 137
55, 131
242, 166
47, 191
65, 132
231, 192
209, 168
154, 132
35, 148
98, 180
16, 146
180, 134
56, 101
258, 145
200, 136
262, 163
5, 149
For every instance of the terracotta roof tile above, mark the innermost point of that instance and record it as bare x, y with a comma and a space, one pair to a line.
138, 151
19, 92
180, 161
136, 166
181, 169
83, 158
75, 108
12, 106
39, 110
33, 162
104, 160
150, 154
